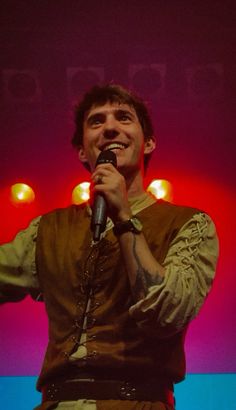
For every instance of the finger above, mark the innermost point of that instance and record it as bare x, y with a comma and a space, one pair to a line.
108, 167
98, 175
98, 179
105, 169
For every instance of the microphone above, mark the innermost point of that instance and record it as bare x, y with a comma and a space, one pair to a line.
99, 209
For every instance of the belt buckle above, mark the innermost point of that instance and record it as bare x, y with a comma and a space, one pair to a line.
128, 391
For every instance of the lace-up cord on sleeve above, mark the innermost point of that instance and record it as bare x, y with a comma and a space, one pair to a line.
189, 272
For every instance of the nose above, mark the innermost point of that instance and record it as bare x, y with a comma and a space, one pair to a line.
111, 129
110, 133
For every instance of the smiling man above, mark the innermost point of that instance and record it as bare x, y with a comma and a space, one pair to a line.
118, 308
115, 126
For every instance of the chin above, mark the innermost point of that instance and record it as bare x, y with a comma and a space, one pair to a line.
128, 170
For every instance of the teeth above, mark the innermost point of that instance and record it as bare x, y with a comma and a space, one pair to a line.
114, 145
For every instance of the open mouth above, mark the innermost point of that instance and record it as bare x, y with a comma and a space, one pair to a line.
114, 145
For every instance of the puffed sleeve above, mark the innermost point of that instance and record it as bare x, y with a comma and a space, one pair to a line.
189, 271
17, 266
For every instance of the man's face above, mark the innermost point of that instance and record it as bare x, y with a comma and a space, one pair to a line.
115, 127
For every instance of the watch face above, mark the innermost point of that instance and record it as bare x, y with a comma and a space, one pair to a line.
136, 224
132, 225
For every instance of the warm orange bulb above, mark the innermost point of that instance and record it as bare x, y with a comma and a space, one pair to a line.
81, 193
22, 194
161, 189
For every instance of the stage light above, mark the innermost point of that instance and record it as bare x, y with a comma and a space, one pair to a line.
205, 82
81, 193
161, 189
21, 86
22, 194
148, 80
80, 79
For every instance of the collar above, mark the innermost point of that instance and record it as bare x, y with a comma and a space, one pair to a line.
137, 204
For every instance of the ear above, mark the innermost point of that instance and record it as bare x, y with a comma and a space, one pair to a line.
149, 145
81, 154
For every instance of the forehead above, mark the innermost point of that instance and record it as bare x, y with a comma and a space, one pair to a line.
108, 108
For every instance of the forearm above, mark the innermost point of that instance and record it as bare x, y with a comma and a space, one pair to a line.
142, 268
17, 265
189, 271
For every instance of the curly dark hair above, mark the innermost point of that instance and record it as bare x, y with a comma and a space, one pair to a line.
101, 94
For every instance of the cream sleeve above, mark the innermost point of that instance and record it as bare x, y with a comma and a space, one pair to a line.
189, 271
17, 265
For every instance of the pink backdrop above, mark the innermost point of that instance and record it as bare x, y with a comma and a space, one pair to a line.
196, 138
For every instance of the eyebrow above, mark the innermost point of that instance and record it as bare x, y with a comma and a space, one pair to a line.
116, 111
123, 111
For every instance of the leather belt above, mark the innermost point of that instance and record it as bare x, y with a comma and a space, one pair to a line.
76, 389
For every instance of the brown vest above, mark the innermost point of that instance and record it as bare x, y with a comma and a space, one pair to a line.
70, 270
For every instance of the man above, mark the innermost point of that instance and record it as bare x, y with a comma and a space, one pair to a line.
118, 308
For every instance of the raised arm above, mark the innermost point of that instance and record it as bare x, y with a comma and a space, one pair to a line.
17, 265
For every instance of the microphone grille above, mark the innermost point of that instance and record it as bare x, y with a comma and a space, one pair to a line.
107, 157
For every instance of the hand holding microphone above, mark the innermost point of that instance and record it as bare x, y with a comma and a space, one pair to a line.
99, 209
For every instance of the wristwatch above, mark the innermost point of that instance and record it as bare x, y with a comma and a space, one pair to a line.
131, 225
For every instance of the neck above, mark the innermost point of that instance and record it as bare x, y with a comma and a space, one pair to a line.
134, 184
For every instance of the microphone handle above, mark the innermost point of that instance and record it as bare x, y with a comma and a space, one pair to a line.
99, 217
